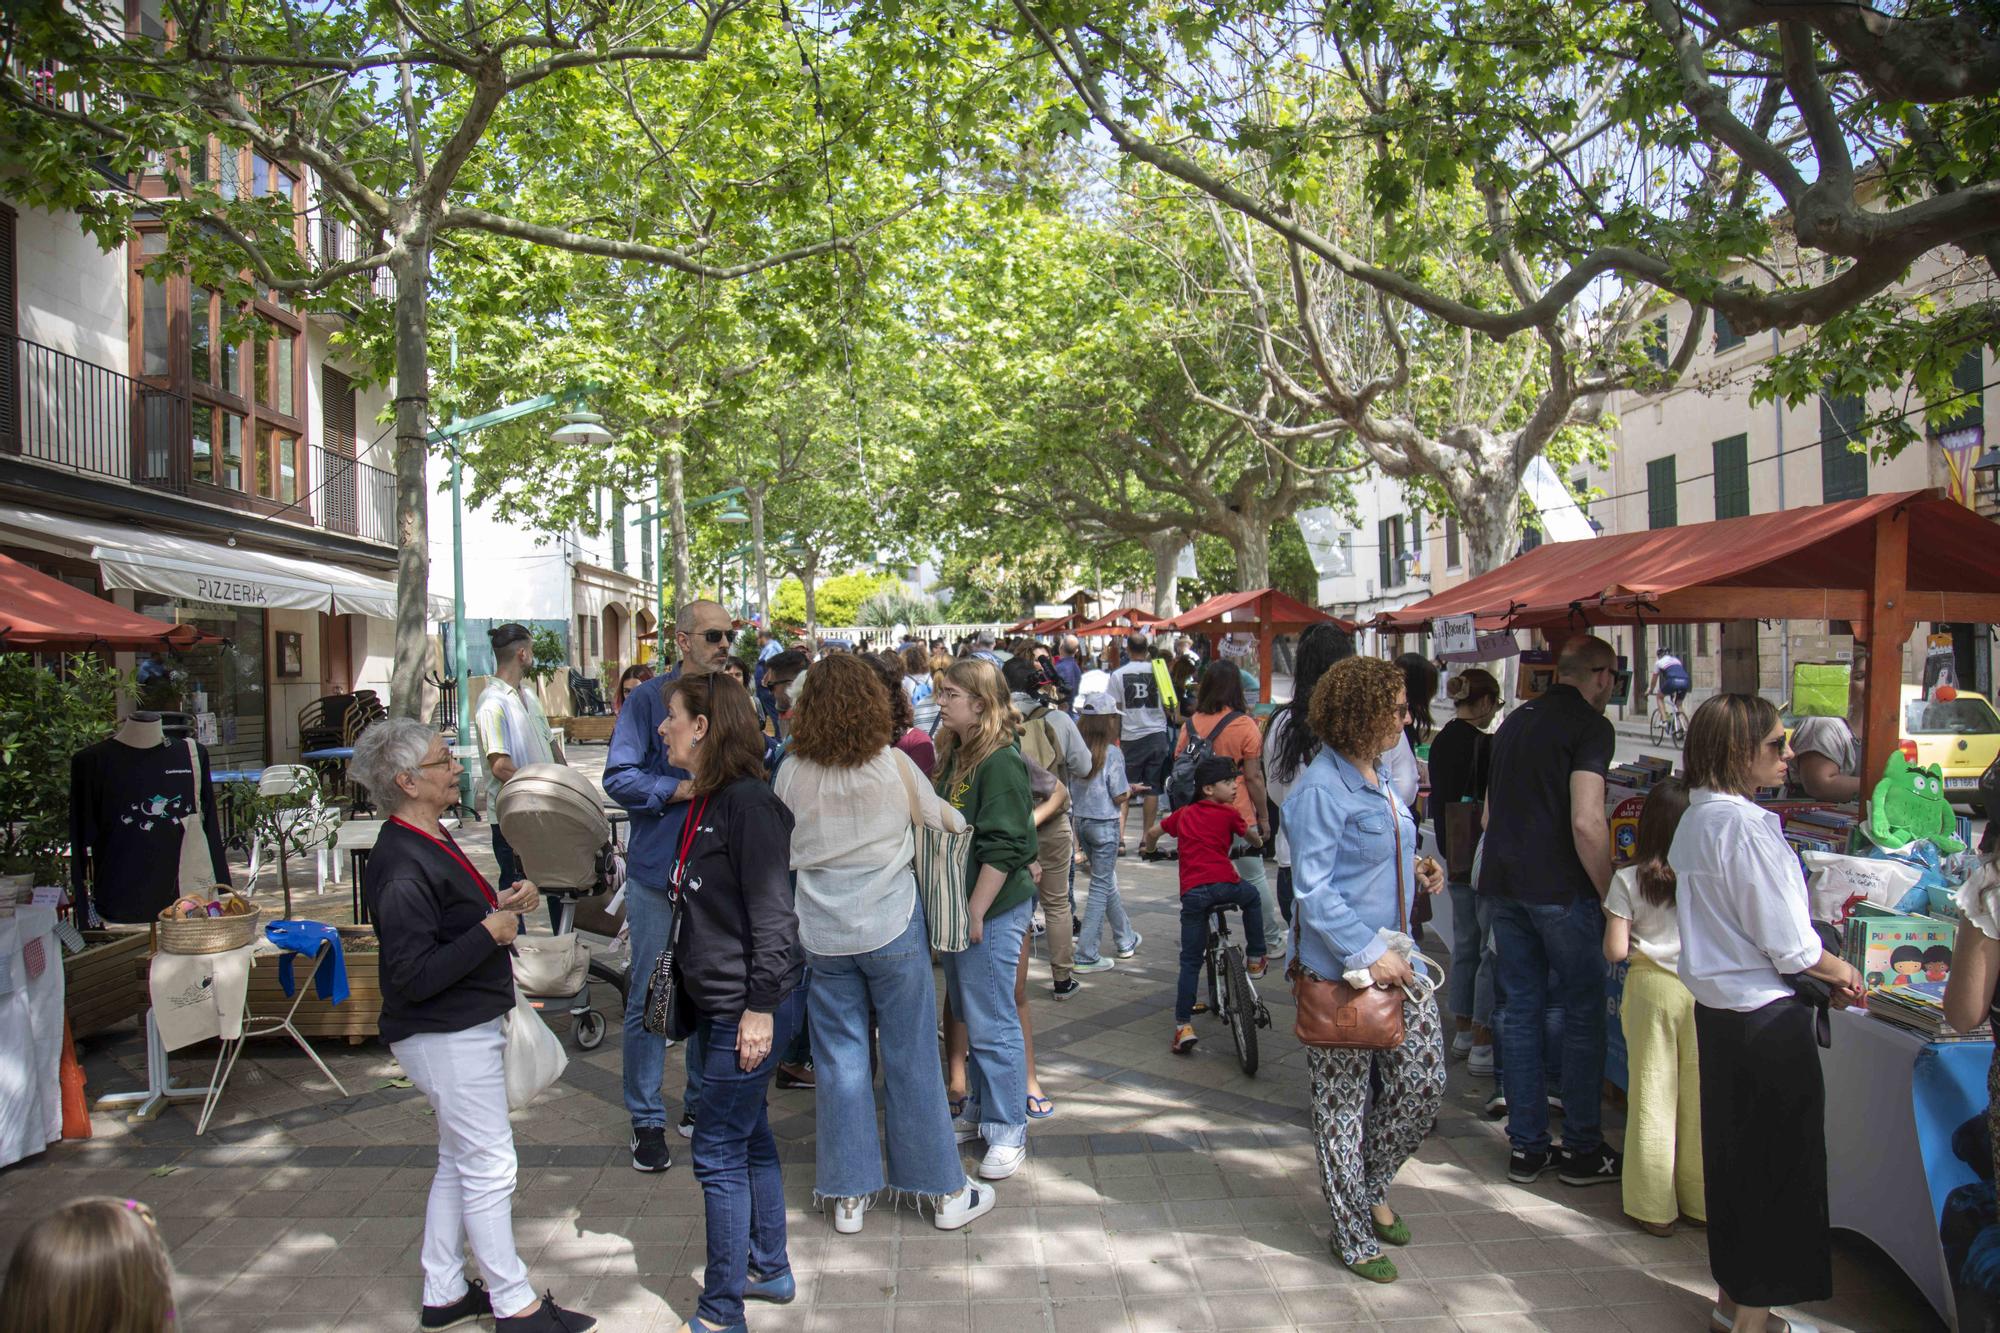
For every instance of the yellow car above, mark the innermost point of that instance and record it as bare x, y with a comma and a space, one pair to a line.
1961, 736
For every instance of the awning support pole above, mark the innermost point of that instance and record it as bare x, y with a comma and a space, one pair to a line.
1881, 642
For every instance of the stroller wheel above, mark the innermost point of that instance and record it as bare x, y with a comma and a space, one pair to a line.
589, 1029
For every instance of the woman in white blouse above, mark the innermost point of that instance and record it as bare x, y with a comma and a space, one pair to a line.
1742, 909
856, 801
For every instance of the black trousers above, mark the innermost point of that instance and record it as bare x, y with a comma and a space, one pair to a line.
1763, 1151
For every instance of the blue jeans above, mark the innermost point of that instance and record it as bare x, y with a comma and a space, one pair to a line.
1545, 954
736, 1160
980, 983
1471, 978
894, 981
1196, 904
650, 917
1099, 840
1271, 943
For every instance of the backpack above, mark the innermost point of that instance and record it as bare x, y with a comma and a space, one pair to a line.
1181, 790
1038, 742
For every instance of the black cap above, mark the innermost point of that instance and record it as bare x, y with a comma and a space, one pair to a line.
1211, 769
507, 635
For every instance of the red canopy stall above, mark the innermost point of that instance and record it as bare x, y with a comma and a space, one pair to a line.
1271, 613
39, 613
1122, 621
1883, 563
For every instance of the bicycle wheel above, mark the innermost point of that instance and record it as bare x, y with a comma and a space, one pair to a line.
1657, 728
1242, 1010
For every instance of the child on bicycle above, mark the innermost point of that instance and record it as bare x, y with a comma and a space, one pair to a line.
1206, 830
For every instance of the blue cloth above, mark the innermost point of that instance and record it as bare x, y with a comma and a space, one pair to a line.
638, 777
1549, 953
305, 937
1343, 829
1196, 904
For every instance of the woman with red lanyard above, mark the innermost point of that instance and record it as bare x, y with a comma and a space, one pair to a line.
447, 982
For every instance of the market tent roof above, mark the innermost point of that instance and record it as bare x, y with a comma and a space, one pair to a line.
43, 613
202, 571
1287, 614
1124, 618
1804, 564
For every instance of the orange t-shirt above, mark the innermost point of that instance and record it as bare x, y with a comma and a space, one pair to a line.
1240, 740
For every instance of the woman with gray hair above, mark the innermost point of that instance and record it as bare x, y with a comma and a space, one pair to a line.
447, 985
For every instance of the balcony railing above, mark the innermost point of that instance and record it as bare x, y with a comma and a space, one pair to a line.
65, 412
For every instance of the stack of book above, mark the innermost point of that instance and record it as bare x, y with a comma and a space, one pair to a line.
1917, 1010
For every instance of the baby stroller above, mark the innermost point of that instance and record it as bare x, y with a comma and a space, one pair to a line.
551, 816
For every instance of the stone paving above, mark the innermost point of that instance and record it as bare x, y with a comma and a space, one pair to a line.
1165, 1193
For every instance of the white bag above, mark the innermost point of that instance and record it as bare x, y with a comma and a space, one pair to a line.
1834, 879
534, 1057
550, 964
197, 873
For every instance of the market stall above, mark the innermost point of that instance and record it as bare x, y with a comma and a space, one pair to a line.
1262, 615
1125, 620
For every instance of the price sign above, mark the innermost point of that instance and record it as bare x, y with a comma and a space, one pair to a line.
1452, 634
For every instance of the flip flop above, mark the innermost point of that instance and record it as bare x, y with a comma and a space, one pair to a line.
1048, 1108
958, 1105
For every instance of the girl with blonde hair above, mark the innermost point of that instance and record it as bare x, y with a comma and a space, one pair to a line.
92, 1266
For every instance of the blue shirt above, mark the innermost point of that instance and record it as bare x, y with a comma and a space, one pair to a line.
1070, 673
638, 777
1343, 829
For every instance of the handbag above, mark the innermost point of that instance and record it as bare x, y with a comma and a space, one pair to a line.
550, 964
197, 872
940, 863
533, 1058
663, 1017
1335, 1016
1464, 826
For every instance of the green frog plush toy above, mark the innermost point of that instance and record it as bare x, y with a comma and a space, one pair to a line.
1909, 804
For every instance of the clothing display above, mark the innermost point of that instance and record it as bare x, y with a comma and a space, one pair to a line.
196, 996
31, 1030
125, 811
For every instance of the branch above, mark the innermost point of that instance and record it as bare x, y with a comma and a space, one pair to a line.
479, 219
1923, 60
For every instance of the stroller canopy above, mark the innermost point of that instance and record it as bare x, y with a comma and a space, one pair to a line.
553, 818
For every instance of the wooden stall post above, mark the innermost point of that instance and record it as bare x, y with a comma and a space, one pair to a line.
1888, 629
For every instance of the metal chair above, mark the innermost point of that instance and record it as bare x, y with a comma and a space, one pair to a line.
322, 817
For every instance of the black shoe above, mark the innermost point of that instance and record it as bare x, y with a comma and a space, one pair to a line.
686, 1126
474, 1305
796, 1076
547, 1318
1067, 987
1602, 1165
649, 1148
1525, 1168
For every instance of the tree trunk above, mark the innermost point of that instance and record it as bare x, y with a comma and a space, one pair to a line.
808, 577
1166, 549
677, 512
756, 495
1490, 531
1252, 543
411, 266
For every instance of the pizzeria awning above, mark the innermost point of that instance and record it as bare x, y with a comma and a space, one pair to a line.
43, 614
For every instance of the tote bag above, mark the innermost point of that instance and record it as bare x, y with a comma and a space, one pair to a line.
533, 1058
197, 873
940, 866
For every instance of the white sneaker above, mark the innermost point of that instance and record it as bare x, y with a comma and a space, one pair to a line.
1000, 1163
1461, 1045
969, 1204
964, 1131
1133, 949
847, 1215
1479, 1061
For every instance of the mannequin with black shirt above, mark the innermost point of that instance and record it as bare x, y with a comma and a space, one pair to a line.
128, 796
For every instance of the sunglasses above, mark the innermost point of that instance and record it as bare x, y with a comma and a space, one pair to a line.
711, 635
1775, 745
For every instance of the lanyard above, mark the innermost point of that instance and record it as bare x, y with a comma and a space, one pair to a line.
688, 831
450, 848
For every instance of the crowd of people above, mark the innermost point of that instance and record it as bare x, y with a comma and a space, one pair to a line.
777, 809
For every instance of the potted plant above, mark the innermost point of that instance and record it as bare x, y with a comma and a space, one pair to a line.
46, 715
299, 822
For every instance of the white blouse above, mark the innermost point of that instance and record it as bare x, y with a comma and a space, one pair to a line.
1740, 896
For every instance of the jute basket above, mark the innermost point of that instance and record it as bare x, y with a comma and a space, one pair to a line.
212, 934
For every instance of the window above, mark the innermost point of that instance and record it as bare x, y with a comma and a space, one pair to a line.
1843, 473
1662, 498
1452, 558
583, 627
1531, 536
1674, 639
1347, 554
1726, 338
1656, 341
156, 328
1732, 477
618, 531
1416, 546
1389, 552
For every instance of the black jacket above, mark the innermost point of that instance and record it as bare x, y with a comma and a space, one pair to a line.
441, 970
739, 946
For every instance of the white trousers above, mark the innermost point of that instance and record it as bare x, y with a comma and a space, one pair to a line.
472, 1195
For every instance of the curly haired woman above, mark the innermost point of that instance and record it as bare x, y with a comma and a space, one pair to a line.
1353, 871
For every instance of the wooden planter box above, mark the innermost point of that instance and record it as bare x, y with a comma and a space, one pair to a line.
356, 1018
105, 984
596, 730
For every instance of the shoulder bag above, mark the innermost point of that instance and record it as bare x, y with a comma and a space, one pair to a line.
197, 873
663, 1017
940, 867
1333, 1015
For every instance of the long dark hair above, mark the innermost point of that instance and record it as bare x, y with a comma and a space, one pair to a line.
1665, 804
1420, 683
1221, 689
1319, 648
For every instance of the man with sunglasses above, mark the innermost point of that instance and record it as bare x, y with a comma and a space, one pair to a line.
1545, 863
638, 777
512, 731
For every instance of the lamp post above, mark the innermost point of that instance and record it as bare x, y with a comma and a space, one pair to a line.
731, 514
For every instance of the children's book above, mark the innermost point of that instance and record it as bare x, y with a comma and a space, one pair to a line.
1899, 950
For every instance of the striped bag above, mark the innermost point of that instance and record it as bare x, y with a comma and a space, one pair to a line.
940, 866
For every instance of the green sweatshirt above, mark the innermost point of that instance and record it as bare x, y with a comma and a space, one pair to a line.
1001, 810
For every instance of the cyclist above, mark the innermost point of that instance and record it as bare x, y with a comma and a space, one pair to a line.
1206, 829
1670, 685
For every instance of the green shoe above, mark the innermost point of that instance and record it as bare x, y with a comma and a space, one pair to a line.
1396, 1233
1378, 1269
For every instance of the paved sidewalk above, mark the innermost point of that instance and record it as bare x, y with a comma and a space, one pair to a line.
1165, 1193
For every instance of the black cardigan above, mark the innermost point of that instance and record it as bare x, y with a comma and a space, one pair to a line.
441, 969
739, 944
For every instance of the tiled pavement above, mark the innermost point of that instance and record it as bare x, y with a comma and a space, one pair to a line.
1166, 1193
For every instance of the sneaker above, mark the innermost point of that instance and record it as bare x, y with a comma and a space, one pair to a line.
474, 1305
547, 1318
649, 1149
1040, 923
1496, 1105
965, 1131
1256, 968
1000, 1163
686, 1126
969, 1204
776, 1288
1133, 948
847, 1215
1479, 1061
1094, 965
1184, 1039
1602, 1165
795, 1076
1525, 1168
1555, 1104
1461, 1045
1065, 988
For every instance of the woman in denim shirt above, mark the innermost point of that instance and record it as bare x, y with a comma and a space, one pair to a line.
1348, 832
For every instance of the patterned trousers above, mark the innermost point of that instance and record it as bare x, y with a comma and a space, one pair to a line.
1364, 1139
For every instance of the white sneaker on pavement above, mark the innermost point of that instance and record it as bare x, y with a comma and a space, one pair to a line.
1479, 1061
1461, 1045
1000, 1163
969, 1204
847, 1214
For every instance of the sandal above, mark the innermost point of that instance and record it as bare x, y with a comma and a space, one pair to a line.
1048, 1108
1395, 1232
957, 1105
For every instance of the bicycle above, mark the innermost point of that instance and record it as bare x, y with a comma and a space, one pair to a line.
1666, 725
1231, 996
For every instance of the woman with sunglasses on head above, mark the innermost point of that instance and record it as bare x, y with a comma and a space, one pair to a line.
1744, 926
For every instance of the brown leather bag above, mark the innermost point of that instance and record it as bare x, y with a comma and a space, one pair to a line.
1333, 1015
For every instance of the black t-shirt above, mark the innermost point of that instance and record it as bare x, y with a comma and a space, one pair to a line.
125, 812
1530, 852
1459, 757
